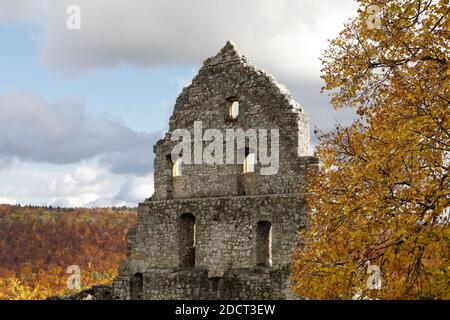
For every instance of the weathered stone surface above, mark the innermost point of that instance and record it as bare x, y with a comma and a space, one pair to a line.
204, 235
100, 292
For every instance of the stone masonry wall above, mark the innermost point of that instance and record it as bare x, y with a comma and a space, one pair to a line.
225, 230
248, 284
215, 232
226, 247
263, 104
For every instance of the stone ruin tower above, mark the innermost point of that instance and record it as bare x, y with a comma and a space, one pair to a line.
222, 231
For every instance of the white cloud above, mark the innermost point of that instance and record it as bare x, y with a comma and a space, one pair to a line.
84, 179
33, 11
80, 200
136, 189
86, 174
62, 133
285, 37
8, 200
83, 185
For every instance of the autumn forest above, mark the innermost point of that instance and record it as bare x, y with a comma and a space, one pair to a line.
38, 245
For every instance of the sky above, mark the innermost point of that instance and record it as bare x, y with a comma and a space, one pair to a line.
80, 109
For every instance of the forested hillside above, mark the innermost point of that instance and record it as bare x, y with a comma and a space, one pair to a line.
37, 245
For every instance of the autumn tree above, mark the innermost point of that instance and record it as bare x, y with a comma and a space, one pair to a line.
379, 201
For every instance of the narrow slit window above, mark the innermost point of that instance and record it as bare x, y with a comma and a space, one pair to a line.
234, 110
177, 170
264, 243
249, 163
136, 287
187, 240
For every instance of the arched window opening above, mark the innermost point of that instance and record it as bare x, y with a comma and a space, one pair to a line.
234, 109
264, 243
187, 242
168, 175
249, 163
137, 287
177, 170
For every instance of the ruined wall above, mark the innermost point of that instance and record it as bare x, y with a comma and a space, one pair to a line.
263, 104
226, 230
255, 284
215, 232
